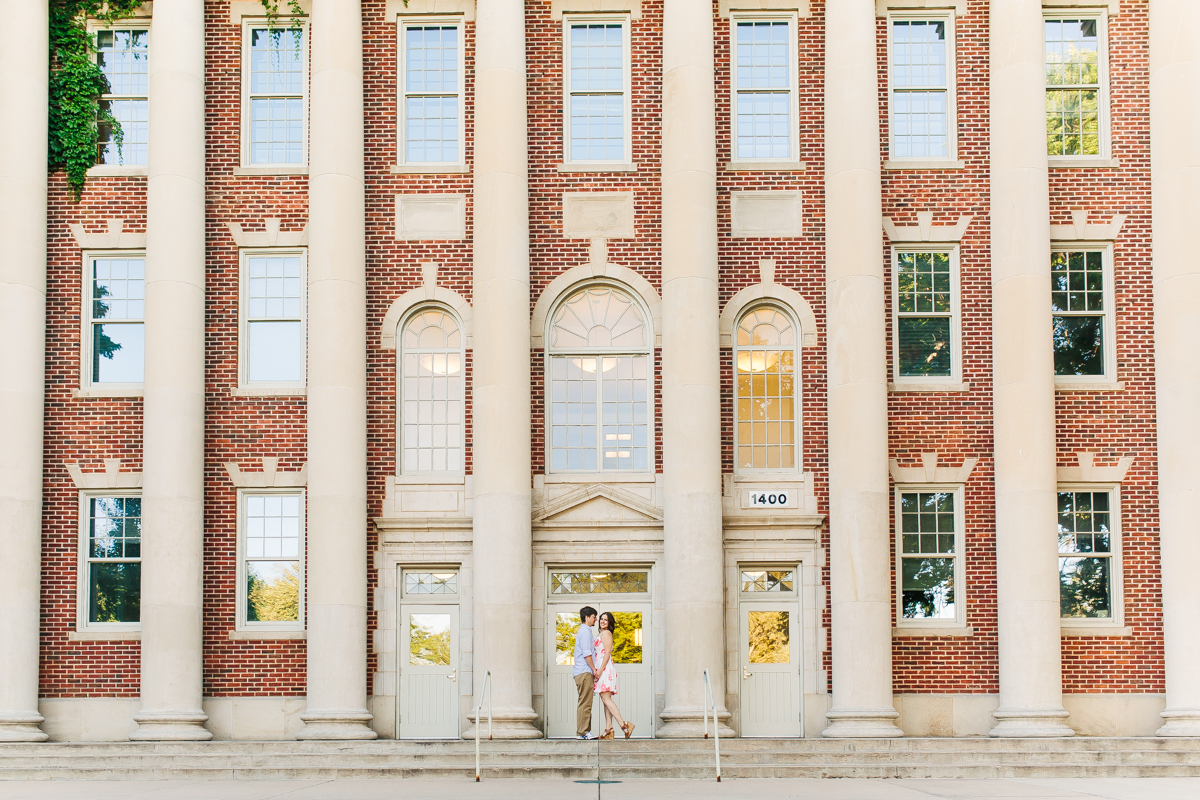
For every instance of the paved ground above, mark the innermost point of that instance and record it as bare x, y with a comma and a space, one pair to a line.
496, 789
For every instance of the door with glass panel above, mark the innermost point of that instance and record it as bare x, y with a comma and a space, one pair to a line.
618, 592
769, 653
428, 663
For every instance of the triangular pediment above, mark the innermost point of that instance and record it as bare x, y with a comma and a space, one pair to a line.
600, 504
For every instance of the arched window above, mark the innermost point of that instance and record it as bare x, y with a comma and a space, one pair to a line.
431, 385
599, 380
765, 391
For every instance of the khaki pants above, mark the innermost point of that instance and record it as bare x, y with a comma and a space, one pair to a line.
586, 684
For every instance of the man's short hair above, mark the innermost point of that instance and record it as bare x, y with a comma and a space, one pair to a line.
585, 612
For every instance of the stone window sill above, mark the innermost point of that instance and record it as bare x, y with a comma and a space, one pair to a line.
1095, 386
281, 169
430, 169
600, 477
768, 477
105, 636
430, 480
1073, 631
930, 388
765, 166
1084, 163
116, 170
945, 631
895, 166
96, 391
262, 636
597, 168
269, 391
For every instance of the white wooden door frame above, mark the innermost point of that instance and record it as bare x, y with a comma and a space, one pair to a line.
405, 608
791, 604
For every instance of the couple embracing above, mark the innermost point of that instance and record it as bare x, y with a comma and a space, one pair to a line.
595, 673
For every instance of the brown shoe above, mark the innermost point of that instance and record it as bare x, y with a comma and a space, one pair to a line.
628, 728
608, 734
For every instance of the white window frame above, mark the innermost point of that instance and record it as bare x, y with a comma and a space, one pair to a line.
797, 399
1116, 573
955, 376
242, 624
931, 15
960, 579
793, 21
1109, 314
94, 26
1099, 12
86, 385
627, 84
401, 350
83, 570
284, 23
402, 24
266, 388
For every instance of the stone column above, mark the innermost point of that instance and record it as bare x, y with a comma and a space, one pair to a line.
23, 95
1175, 178
692, 527
173, 427
860, 529
503, 543
1023, 372
337, 381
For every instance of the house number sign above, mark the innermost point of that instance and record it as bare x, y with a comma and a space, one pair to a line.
772, 498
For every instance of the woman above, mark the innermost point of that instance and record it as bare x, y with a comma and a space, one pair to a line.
606, 676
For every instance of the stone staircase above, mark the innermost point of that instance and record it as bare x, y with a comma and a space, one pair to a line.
572, 759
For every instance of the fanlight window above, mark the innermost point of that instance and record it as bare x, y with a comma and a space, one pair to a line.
600, 383
431, 382
766, 391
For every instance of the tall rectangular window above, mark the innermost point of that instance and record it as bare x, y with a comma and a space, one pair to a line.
597, 87
600, 413
115, 309
1083, 314
277, 85
764, 90
766, 392
930, 557
271, 588
112, 556
925, 333
431, 109
273, 336
922, 73
432, 373
1086, 544
1076, 86
123, 55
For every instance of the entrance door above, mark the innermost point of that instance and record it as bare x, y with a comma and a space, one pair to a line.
632, 654
770, 668
428, 671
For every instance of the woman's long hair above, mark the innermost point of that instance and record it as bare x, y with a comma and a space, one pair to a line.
612, 622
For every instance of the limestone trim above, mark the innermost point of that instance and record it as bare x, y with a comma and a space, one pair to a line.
104, 636
1119, 631
882, 7
766, 214
115, 238
930, 472
594, 273
1083, 162
725, 8
652, 516
1080, 230
269, 236
397, 8
925, 230
941, 631
429, 293
765, 166
431, 217
254, 8
560, 7
596, 167
896, 166
930, 388
763, 292
111, 478
116, 170
1113, 6
429, 169
265, 636
269, 478
273, 169
598, 215
101, 390
1087, 472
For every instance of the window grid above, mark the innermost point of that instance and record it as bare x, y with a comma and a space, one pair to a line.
274, 348
929, 558
1078, 302
123, 56
778, 581
116, 328
431, 93
599, 582
763, 89
432, 386
596, 91
1073, 86
113, 558
925, 310
1085, 554
766, 391
272, 558
920, 98
430, 582
277, 83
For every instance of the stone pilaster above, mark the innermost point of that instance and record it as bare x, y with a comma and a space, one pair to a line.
1175, 179
1023, 371
860, 533
173, 427
23, 95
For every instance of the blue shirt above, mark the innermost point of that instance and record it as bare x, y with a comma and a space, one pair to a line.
585, 645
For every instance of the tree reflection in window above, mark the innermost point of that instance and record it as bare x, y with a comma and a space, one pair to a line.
1085, 554
599, 582
928, 559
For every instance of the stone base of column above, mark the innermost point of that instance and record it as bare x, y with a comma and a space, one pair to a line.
862, 723
18, 727
338, 724
688, 723
1180, 722
507, 724
1024, 723
171, 726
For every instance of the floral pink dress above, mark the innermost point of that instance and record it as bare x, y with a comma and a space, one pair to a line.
608, 677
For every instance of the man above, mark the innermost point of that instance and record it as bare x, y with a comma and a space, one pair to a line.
585, 671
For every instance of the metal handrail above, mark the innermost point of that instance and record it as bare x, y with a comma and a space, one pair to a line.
716, 730
486, 689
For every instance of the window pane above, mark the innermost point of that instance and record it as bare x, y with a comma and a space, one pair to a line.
431, 583
927, 590
432, 383
277, 130
134, 119
118, 289
431, 129
766, 391
768, 580
769, 637
1072, 52
565, 626
272, 591
429, 639
919, 53
114, 591
924, 345
599, 582
273, 527
764, 126
597, 127
762, 55
118, 353
597, 62
123, 57
1085, 589
274, 351
276, 61
1079, 345
627, 638
114, 527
